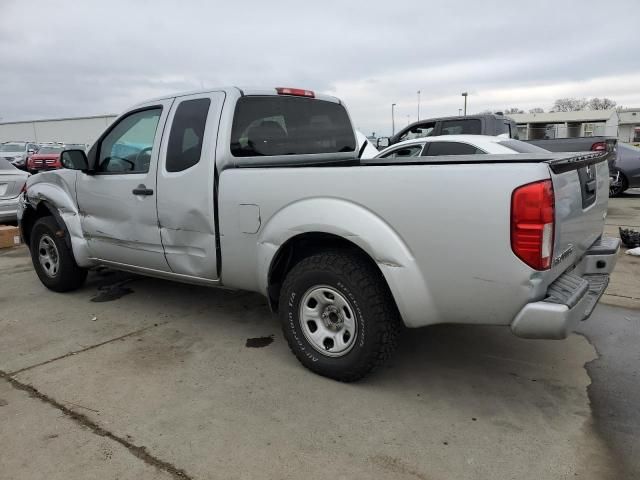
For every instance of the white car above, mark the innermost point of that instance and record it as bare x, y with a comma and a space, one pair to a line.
12, 182
457, 145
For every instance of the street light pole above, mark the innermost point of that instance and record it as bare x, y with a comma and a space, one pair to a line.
418, 105
465, 94
393, 119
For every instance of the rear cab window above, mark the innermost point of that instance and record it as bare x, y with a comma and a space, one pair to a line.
468, 126
290, 125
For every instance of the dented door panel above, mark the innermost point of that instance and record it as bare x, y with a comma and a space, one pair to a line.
186, 211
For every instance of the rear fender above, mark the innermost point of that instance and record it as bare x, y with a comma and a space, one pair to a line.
365, 229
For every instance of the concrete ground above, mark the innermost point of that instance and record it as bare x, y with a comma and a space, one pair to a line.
140, 378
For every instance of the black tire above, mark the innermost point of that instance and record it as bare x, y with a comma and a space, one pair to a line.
617, 188
376, 316
68, 275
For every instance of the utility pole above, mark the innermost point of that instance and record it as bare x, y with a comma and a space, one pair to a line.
465, 94
393, 119
418, 105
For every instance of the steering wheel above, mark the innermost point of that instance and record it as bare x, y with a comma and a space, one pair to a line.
107, 160
141, 152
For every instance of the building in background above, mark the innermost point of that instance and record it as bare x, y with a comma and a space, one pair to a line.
623, 124
80, 130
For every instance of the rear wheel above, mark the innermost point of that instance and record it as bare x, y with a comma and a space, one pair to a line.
617, 183
338, 315
52, 259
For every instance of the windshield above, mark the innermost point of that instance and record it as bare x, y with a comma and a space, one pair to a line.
50, 150
522, 147
12, 147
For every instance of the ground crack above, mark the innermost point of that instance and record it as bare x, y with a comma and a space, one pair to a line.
138, 451
90, 347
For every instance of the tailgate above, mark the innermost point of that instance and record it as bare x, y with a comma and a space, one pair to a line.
581, 187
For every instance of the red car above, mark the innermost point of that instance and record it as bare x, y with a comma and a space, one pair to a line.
47, 158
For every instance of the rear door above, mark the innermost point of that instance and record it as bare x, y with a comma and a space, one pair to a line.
186, 185
118, 201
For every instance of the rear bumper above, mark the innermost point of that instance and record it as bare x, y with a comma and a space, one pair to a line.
572, 297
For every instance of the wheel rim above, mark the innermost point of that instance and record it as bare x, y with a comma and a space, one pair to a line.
48, 256
328, 321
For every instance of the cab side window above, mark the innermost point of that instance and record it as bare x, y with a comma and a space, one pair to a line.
127, 147
409, 151
187, 133
419, 131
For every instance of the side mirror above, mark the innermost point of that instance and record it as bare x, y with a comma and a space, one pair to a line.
74, 160
383, 142
31, 151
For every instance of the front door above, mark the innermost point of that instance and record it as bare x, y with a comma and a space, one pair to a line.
118, 199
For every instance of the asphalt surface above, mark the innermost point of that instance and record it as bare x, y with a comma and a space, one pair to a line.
136, 378
614, 392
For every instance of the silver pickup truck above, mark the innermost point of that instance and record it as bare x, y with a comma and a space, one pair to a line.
263, 190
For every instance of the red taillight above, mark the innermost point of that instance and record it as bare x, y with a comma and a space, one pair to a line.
298, 92
532, 224
599, 147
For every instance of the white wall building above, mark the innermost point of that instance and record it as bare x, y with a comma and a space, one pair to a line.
66, 130
623, 124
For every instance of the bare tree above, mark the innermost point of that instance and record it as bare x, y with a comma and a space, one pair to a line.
601, 103
569, 104
508, 111
536, 110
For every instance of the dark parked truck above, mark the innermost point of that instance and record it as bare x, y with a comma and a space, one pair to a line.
482, 124
500, 125
263, 190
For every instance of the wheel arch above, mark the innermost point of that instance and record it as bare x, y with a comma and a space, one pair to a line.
53, 198
284, 241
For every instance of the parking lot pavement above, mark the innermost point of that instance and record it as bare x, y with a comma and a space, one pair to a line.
161, 372
624, 287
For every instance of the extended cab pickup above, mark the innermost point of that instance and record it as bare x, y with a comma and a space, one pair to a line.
263, 190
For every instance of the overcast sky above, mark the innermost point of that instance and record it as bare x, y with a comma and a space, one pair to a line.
71, 58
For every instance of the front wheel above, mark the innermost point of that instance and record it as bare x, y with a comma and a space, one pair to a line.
52, 259
338, 315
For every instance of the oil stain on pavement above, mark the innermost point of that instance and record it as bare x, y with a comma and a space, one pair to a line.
259, 342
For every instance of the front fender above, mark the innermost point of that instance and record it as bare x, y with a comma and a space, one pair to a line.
56, 190
365, 229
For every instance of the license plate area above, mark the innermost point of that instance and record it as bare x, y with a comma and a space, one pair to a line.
588, 185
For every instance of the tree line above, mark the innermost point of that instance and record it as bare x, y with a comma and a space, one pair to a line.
571, 105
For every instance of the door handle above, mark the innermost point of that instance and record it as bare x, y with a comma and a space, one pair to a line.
142, 190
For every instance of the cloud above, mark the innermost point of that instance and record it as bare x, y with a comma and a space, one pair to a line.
65, 58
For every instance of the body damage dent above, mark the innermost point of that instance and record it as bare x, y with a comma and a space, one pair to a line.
53, 190
366, 230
